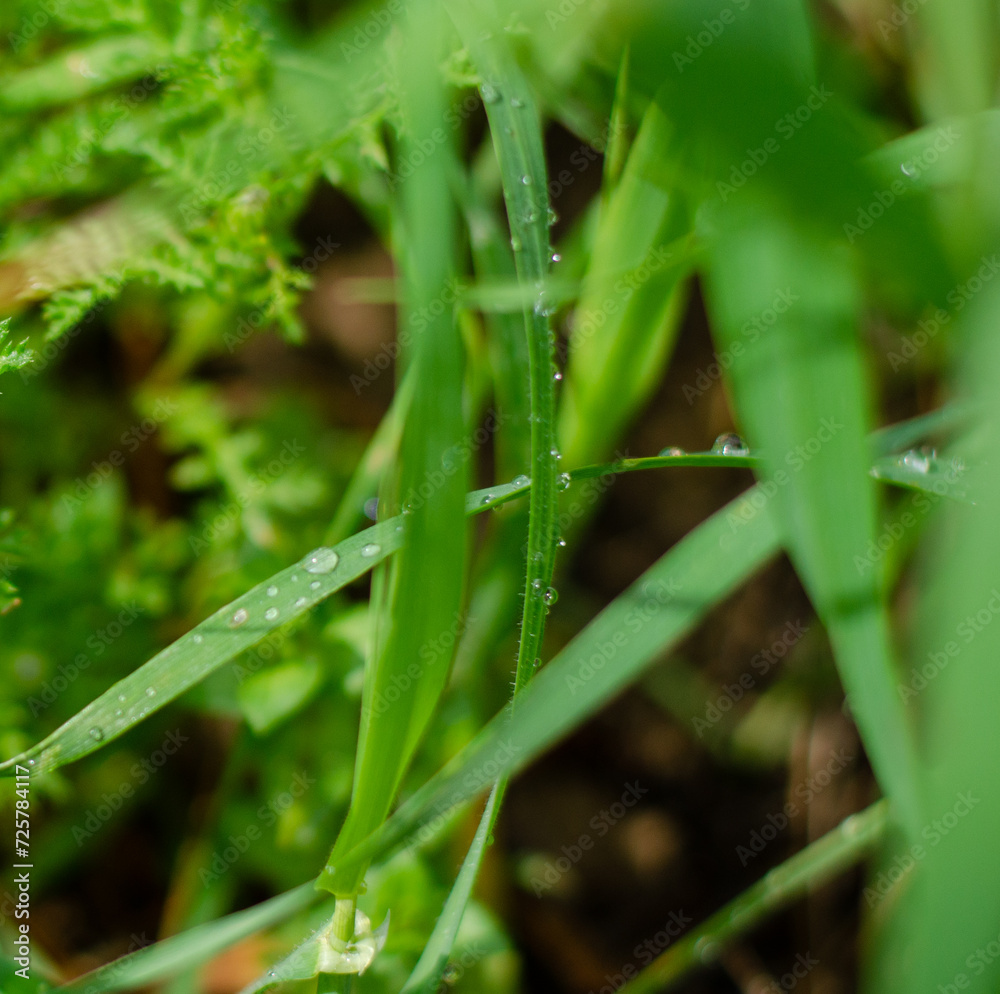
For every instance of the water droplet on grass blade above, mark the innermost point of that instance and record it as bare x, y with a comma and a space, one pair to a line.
516, 102
272, 591
240, 617
490, 93
271, 614
563, 480
550, 596
197, 639
302, 602
730, 444
370, 550
315, 585
96, 734
673, 450
150, 691
919, 462
521, 481
321, 560
706, 949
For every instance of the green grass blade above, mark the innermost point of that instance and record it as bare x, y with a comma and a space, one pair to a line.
634, 630
425, 580
178, 953
801, 394
213, 643
938, 914
819, 862
286, 596
627, 320
427, 974
515, 128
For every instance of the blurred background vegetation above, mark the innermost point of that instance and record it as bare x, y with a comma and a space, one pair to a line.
200, 247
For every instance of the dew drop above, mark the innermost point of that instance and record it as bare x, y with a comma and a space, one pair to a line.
536, 585
556, 454
371, 508
295, 578
96, 734
302, 602
563, 481
536, 665
370, 550
552, 218
516, 102
240, 617
490, 93
557, 376
118, 712
150, 691
673, 450
730, 444
198, 639
321, 560
561, 543
556, 257
272, 591
271, 614
487, 499
515, 243
315, 585
706, 949
526, 180
919, 462
550, 596
906, 170
521, 481
121, 697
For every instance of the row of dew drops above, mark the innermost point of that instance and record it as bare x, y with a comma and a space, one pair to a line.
320, 561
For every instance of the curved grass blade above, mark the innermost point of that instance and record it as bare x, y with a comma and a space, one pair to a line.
427, 974
212, 644
848, 843
662, 606
178, 953
215, 641
800, 391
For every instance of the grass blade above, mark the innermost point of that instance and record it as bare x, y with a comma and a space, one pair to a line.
851, 841
629, 313
427, 974
636, 628
178, 953
800, 392
424, 582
